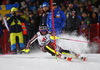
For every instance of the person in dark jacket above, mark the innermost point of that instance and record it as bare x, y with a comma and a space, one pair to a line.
59, 20
15, 30
73, 19
85, 24
94, 18
44, 13
24, 25
33, 23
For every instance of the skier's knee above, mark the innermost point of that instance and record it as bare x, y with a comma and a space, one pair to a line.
66, 51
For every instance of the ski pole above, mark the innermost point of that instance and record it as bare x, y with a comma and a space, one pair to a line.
52, 37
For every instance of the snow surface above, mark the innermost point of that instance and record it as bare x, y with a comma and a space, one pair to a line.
38, 60
44, 61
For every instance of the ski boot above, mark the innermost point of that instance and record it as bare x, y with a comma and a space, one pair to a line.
14, 51
22, 51
62, 56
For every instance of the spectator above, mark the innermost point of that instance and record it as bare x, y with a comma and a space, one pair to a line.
97, 3
73, 19
85, 19
32, 5
96, 10
40, 10
89, 7
86, 4
94, 18
15, 30
21, 13
33, 24
26, 11
37, 4
24, 25
83, 0
85, 23
44, 13
59, 20
82, 7
23, 5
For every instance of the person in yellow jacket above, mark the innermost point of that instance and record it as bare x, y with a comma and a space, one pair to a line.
15, 30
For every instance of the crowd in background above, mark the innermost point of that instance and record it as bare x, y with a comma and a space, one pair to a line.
77, 12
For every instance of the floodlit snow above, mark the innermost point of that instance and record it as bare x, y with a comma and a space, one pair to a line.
38, 60
43, 61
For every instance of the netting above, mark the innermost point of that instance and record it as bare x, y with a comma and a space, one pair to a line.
5, 42
92, 32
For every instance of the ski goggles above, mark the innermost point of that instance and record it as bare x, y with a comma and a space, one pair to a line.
43, 30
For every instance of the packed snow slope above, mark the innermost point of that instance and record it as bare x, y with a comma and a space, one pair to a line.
44, 61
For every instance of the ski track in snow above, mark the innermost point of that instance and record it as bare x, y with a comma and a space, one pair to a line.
44, 61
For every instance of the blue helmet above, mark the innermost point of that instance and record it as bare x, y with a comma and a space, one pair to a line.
45, 4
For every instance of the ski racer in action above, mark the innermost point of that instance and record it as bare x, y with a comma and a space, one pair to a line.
43, 37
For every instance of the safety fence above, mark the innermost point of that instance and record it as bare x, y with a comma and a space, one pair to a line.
5, 42
91, 32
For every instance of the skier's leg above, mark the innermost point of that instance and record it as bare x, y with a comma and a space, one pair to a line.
68, 53
50, 50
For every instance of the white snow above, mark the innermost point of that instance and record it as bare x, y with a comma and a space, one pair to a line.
38, 60
44, 61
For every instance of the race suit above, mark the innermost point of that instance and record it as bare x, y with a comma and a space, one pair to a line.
45, 43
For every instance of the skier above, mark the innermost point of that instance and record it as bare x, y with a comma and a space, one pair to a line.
43, 37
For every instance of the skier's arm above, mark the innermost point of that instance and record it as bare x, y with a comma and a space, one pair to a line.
32, 40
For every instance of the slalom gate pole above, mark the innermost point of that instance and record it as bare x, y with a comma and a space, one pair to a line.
53, 31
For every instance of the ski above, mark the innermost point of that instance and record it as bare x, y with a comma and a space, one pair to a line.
75, 59
79, 59
83, 58
70, 58
64, 58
